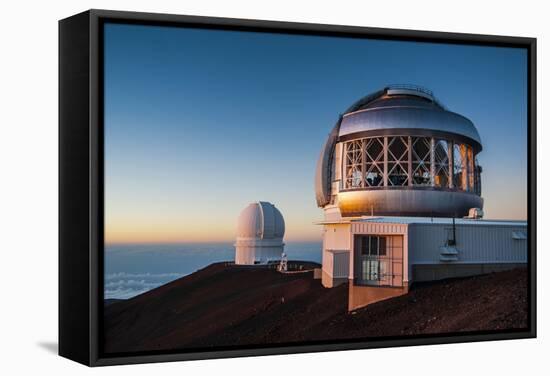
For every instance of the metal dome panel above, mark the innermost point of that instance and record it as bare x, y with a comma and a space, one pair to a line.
323, 172
249, 223
388, 120
261, 220
408, 202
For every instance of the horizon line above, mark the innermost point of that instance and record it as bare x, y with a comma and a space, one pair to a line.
110, 243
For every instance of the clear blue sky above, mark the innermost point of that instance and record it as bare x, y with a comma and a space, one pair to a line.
198, 123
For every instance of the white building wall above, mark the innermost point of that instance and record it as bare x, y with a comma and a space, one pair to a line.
476, 243
250, 255
327, 262
336, 239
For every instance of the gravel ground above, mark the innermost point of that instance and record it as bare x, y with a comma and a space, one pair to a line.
224, 306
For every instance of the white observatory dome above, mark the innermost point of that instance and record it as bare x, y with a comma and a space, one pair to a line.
260, 232
261, 220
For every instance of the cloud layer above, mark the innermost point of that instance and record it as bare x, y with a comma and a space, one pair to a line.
127, 285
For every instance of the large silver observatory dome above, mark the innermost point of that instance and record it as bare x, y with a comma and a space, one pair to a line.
399, 151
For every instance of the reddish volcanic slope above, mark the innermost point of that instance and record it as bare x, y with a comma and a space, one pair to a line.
233, 305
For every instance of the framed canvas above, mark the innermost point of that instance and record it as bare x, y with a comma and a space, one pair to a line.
235, 187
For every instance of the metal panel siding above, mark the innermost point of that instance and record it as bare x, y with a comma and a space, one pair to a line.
409, 201
481, 243
408, 117
378, 228
338, 161
341, 265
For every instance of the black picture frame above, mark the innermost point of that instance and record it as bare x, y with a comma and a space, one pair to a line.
81, 182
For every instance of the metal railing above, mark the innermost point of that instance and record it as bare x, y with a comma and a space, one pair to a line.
411, 87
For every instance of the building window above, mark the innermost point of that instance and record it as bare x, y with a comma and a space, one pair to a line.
398, 151
441, 162
372, 268
421, 161
471, 171
459, 167
374, 162
400, 161
354, 162
373, 246
477, 177
378, 260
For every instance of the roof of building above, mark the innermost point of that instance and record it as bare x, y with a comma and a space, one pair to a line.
405, 107
393, 95
430, 220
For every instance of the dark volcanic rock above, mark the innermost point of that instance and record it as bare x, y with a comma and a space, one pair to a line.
107, 302
224, 305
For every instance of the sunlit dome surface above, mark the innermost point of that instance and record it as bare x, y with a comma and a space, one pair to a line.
407, 109
261, 220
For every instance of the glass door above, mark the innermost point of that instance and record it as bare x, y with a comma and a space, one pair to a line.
372, 266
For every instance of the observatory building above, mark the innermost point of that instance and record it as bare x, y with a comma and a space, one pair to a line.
400, 152
260, 232
400, 186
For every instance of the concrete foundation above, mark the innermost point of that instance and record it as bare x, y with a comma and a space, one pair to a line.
317, 273
329, 282
361, 296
